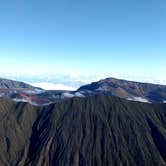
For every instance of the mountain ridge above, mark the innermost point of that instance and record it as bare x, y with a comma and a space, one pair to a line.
127, 89
96, 130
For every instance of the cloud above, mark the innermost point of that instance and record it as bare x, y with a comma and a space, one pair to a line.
52, 86
70, 95
78, 94
73, 80
35, 91
67, 95
31, 102
139, 99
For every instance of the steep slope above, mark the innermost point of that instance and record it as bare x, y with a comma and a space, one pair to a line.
99, 130
91, 131
144, 92
16, 121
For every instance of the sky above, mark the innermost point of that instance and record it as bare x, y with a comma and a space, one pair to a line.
84, 38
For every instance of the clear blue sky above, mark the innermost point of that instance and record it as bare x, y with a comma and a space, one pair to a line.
86, 36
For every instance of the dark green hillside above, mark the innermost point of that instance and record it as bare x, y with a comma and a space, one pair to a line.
99, 130
91, 131
16, 121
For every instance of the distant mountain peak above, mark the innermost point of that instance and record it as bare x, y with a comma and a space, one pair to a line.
127, 89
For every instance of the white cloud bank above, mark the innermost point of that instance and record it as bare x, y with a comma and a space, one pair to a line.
30, 102
73, 80
139, 99
69, 95
52, 86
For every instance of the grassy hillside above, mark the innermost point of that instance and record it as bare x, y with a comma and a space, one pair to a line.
16, 121
97, 130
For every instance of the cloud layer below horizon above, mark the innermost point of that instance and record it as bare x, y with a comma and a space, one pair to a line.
74, 81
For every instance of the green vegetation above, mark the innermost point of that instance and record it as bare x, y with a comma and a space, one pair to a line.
97, 130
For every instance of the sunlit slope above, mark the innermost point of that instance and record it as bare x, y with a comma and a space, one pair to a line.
11, 84
144, 92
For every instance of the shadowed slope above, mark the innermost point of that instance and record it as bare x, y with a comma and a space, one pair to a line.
96, 130
16, 121
99, 130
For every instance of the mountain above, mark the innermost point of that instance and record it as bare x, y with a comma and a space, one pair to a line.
142, 92
20, 91
11, 84
130, 90
90, 131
